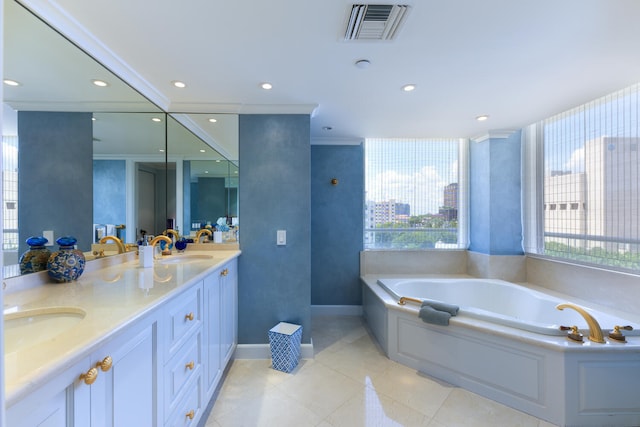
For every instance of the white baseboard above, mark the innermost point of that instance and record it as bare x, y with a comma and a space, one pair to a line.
336, 310
263, 351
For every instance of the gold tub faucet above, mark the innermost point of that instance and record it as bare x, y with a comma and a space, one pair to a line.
117, 241
595, 331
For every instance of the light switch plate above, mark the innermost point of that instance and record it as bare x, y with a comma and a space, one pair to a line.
281, 237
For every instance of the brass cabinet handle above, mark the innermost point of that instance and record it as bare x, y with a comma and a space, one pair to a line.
189, 316
90, 376
190, 414
105, 364
190, 365
224, 272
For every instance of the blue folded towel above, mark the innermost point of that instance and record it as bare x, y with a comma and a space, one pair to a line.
442, 306
431, 315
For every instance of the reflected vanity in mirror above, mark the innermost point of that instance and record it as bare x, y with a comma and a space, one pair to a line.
209, 181
106, 172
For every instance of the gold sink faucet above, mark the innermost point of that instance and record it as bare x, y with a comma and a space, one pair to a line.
201, 232
595, 331
165, 239
117, 241
174, 233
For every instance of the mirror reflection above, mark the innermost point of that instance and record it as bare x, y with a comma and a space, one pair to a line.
209, 189
56, 125
108, 171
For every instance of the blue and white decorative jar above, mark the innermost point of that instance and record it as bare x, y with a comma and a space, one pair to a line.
66, 264
35, 259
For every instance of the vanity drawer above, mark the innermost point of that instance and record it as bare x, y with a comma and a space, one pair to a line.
189, 409
184, 318
178, 372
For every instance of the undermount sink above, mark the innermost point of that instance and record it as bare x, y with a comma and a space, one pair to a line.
184, 259
26, 328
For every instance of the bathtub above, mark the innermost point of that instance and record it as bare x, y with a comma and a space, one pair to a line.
503, 303
505, 344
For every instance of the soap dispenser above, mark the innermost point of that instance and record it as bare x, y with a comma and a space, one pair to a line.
145, 254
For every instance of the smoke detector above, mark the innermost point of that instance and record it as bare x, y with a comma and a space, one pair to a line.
375, 21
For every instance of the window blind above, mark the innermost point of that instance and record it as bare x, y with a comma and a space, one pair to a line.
591, 191
416, 194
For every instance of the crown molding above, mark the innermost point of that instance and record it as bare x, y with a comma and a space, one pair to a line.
494, 134
278, 109
75, 106
336, 141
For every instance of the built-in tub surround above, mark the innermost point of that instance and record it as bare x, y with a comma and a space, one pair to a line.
615, 290
551, 377
502, 302
565, 382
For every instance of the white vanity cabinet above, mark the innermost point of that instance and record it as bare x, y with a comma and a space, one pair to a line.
220, 323
229, 309
50, 405
160, 369
181, 387
123, 392
114, 386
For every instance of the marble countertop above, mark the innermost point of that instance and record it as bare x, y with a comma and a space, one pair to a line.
112, 297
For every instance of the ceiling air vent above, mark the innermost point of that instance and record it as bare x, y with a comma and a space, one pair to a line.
375, 21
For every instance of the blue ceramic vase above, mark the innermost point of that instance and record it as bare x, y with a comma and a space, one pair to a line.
35, 259
181, 244
67, 263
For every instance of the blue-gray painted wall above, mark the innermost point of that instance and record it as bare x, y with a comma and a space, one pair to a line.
109, 192
336, 224
55, 163
211, 202
495, 225
274, 282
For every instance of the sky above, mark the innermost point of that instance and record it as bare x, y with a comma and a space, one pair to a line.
410, 171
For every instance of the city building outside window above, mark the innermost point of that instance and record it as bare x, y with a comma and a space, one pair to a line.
589, 162
415, 194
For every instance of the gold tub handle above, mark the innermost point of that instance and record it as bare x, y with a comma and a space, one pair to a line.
403, 300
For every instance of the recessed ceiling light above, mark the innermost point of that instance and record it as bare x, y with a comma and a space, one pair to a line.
482, 118
203, 151
156, 119
213, 120
409, 87
10, 82
100, 83
363, 63
178, 83
93, 119
266, 86
161, 150
206, 171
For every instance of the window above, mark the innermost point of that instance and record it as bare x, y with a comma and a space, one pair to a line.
589, 158
10, 193
415, 194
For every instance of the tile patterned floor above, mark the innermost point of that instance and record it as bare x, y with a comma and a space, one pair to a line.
350, 383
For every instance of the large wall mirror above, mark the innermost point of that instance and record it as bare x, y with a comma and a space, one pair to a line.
90, 160
209, 181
